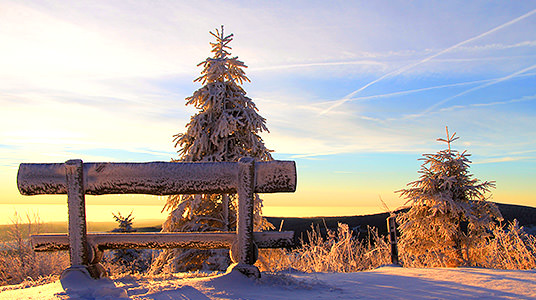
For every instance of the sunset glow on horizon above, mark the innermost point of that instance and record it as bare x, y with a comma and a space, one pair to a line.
355, 92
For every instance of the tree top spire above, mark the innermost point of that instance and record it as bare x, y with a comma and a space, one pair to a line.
450, 138
221, 67
221, 44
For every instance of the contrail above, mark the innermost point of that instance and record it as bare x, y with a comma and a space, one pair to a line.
477, 88
458, 107
403, 69
320, 64
522, 99
421, 89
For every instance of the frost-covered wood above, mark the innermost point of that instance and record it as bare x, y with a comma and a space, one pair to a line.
156, 178
275, 176
77, 212
391, 228
163, 240
244, 251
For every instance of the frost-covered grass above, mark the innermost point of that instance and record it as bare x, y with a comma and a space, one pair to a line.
511, 248
340, 251
20, 264
508, 247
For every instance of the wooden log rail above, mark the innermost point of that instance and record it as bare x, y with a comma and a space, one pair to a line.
76, 179
156, 178
163, 240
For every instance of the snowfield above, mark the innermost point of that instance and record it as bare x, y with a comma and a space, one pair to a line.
383, 283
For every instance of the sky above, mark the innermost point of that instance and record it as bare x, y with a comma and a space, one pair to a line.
353, 91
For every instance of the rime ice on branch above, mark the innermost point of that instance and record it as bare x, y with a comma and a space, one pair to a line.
226, 128
449, 210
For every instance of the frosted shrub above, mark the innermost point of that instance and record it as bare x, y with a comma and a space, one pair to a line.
138, 265
510, 248
340, 251
129, 260
18, 261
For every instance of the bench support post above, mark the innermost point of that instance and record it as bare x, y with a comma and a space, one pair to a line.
78, 251
244, 252
84, 259
78, 273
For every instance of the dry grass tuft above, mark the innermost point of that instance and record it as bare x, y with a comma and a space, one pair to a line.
508, 248
340, 251
20, 264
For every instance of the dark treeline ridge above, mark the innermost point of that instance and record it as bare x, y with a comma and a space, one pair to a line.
525, 215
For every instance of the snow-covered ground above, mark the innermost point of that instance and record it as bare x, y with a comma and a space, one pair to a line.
382, 283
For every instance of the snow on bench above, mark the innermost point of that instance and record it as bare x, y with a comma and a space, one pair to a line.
162, 240
76, 179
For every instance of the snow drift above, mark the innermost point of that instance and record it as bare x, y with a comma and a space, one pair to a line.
382, 283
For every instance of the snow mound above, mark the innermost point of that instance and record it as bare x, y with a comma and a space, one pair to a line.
78, 284
103, 288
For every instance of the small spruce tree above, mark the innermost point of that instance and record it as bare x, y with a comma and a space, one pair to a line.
449, 211
226, 128
130, 260
125, 223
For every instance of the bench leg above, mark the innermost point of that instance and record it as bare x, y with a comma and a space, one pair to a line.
76, 202
244, 251
81, 269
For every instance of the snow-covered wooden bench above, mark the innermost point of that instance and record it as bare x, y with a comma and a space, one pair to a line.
76, 179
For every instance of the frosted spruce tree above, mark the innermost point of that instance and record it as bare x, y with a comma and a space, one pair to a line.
225, 128
449, 211
129, 260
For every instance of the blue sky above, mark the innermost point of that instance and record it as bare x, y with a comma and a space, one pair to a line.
354, 91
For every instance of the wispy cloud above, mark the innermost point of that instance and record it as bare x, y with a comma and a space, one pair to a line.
494, 103
498, 46
522, 99
503, 159
377, 64
350, 133
380, 61
422, 61
412, 91
498, 80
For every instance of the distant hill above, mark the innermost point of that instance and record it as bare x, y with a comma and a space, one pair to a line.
525, 215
